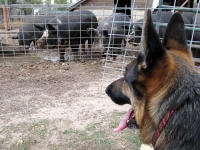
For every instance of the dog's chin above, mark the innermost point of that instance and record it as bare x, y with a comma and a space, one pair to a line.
121, 101
118, 98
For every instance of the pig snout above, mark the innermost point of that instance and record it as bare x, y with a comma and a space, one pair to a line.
99, 49
129, 38
40, 43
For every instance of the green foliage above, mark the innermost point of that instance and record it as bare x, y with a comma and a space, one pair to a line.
28, 11
22, 2
32, 2
47, 1
60, 1
8, 1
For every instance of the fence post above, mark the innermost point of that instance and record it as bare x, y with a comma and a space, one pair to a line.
5, 18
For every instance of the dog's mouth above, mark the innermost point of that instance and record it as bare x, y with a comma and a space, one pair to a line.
127, 121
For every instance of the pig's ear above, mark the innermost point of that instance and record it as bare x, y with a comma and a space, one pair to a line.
91, 31
51, 27
40, 27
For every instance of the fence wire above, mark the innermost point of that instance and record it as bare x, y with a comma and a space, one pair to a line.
22, 37
65, 33
114, 68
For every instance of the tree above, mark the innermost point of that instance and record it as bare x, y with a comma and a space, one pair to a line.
28, 11
8, 1
32, 1
48, 2
61, 2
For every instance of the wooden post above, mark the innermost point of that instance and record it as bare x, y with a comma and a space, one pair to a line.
5, 18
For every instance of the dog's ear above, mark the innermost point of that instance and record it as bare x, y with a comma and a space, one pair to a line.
151, 45
175, 37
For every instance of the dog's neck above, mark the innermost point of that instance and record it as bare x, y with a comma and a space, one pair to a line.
162, 126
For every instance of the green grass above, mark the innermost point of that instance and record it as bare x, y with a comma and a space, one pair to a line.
26, 134
98, 135
87, 139
39, 128
130, 136
23, 144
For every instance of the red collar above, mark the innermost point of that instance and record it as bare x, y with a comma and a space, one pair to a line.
162, 126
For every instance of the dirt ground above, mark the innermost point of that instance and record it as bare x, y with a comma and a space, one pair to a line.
59, 106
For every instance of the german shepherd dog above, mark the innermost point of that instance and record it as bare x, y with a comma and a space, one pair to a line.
163, 88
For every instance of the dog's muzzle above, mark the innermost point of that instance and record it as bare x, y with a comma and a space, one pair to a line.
115, 93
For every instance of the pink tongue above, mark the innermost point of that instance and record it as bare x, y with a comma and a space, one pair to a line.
123, 123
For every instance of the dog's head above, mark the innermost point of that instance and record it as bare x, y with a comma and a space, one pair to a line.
148, 77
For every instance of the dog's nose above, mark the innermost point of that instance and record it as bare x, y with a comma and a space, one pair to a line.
108, 90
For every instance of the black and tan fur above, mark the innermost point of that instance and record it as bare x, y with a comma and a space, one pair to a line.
161, 78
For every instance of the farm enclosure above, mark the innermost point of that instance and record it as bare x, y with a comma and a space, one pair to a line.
46, 104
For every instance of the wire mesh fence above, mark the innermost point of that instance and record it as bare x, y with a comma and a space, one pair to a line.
88, 31
161, 14
50, 34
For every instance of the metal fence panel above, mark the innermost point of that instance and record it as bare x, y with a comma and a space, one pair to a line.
114, 68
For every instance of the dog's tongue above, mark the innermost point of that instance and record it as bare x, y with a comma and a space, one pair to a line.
123, 123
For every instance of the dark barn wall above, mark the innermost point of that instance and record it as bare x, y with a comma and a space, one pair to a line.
189, 4
123, 3
111, 3
179, 3
89, 3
